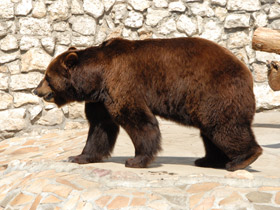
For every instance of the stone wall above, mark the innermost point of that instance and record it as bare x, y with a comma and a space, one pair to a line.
33, 32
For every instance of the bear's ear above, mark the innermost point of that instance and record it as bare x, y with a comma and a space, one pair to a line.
72, 48
70, 60
274, 65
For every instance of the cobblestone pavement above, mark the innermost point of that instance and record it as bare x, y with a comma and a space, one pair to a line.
35, 175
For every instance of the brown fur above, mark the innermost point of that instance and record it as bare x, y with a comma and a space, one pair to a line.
273, 75
191, 81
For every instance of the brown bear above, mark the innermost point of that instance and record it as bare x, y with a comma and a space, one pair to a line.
273, 75
191, 81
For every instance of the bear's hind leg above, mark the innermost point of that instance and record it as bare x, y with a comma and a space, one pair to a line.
102, 135
214, 157
239, 144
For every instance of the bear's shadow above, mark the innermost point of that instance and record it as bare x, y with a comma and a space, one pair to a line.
158, 162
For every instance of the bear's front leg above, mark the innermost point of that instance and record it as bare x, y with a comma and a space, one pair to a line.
142, 127
102, 135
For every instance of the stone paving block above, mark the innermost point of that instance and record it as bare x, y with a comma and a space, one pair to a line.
233, 198
207, 203
72, 201
36, 202
84, 183
202, 187
84, 206
103, 201
277, 198
66, 182
160, 205
195, 199
118, 202
21, 199
138, 201
264, 207
51, 199
25, 150
268, 188
60, 190
91, 194
259, 197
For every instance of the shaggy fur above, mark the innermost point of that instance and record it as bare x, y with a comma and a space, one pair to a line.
191, 81
273, 75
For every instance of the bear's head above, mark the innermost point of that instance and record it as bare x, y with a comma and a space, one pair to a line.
56, 86
273, 75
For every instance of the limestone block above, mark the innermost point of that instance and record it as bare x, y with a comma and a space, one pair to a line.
119, 12
265, 56
25, 81
221, 13
275, 24
13, 120
50, 118
34, 26
83, 25
82, 41
59, 10
7, 9
35, 59
139, 5
108, 4
48, 43
212, 31
237, 21
77, 7
134, 20
75, 125
6, 100
60, 49
76, 110
39, 10
4, 69
14, 67
219, 2
35, 111
260, 19
238, 40
247, 5
28, 42
161, 3
260, 72
4, 81
176, 6
3, 29
155, 16
94, 8
8, 57
61, 26
187, 25
100, 37
9, 43
24, 7
21, 99
63, 38
203, 10
265, 96
274, 12
167, 27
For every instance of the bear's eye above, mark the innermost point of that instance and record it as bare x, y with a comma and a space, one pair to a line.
49, 83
